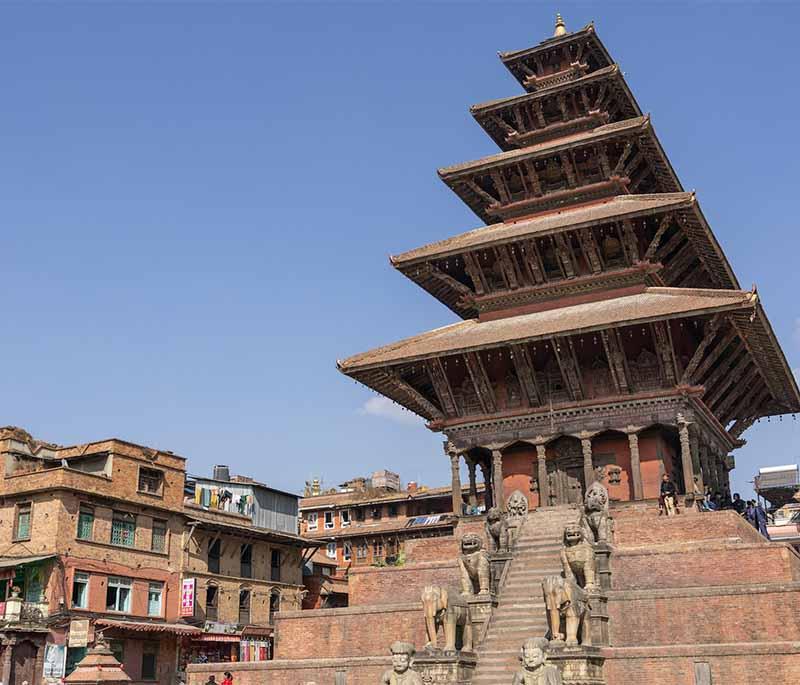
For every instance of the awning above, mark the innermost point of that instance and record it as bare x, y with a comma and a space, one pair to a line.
216, 637
147, 627
10, 562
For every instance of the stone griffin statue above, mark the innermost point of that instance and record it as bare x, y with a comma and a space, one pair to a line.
476, 572
566, 596
400, 673
446, 607
517, 504
497, 530
595, 521
535, 669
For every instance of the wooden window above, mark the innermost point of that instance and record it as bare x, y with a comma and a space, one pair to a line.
22, 521
362, 550
344, 518
80, 590
330, 550
118, 594
274, 604
212, 597
154, 594
347, 551
275, 565
376, 512
312, 520
158, 541
377, 550
149, 660
123, 529
328, 520
213, 555
244, 607
151, 481
246, 561
393, 510
85, 522
359, 514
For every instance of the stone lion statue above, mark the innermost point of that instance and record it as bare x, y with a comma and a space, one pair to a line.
578, 559
476, 572
567, 606
448, 608
595, 521
497, 530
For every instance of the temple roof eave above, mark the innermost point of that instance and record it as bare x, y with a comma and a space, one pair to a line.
655, 303
550, 147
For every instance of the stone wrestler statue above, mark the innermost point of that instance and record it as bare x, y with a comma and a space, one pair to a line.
401, 673
535, 669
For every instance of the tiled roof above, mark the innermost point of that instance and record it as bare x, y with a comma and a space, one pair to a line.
653, 303
547, 146
369, 528
622, 206
366, 497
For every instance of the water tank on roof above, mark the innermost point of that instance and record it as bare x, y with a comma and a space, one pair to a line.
222, 472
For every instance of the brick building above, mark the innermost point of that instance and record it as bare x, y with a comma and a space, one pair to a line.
362, 524
98, 536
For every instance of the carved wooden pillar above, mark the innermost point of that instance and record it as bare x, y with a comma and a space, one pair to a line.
544, 486
588, 464
487, 485
724, 476
473, 486
455, 477
497, 480
8, 648
697, 469
686, 455
705, 467
636, 464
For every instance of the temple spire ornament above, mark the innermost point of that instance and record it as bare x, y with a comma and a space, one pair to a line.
561, 27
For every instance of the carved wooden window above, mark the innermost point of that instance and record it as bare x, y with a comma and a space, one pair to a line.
645, 371
212, 597
600, 377
246, 561
214, 554
513, 391
151, 481
275, 565
362, 550
377, 550
244, 607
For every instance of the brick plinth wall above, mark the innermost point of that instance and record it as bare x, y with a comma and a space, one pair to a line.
736, 664
390, 585
358, 670
349, 632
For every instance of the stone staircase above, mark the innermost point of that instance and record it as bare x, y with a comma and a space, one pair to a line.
520, 612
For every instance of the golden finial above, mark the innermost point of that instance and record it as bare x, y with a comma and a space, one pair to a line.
561, 28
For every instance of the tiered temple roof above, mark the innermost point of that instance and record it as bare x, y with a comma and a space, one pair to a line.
598, 280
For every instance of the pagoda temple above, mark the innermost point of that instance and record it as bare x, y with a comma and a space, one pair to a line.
603, 330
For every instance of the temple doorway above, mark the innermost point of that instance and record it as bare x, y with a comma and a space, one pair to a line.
565, 477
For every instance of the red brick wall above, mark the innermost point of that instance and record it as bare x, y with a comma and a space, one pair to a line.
390, 585
354, 631
635, 527
425, 550
360, 671
704, 615
698, 564
734, 665
518, 466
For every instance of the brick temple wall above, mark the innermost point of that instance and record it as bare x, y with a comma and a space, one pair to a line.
357, 670
371, 586
349, 632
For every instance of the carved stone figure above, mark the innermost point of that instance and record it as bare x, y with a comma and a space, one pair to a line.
567, 608
535, 669
517, 504
595, 520
448, 608
497, 530
476, 572
400, 673
578, 558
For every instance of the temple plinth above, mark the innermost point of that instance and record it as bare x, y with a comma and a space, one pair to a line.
603, 329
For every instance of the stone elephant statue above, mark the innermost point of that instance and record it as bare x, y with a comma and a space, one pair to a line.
567, 606
446, 607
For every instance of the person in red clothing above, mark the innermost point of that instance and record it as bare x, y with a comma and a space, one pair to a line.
228, 679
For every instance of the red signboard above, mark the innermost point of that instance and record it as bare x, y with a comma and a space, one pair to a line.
188, 587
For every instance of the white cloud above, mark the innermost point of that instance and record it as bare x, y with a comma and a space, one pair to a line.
386, 409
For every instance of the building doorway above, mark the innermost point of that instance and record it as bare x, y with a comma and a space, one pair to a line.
23, 663
565, 477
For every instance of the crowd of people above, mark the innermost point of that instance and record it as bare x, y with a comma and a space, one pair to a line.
751, 510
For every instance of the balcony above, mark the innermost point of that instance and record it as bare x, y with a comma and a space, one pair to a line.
16, 611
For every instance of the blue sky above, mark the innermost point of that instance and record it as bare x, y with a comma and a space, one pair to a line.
199, 201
